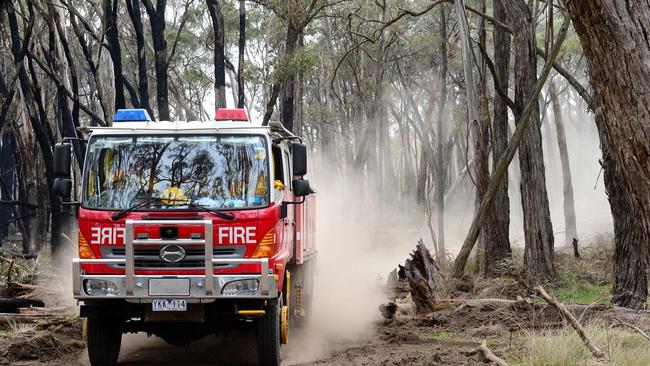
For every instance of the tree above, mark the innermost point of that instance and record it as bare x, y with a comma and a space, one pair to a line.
157, 21
499, 172
441, 175
219, 57
630, 241
133, 7
112, 36
538, 230
498, 248
242, 49
571, 232
615, 40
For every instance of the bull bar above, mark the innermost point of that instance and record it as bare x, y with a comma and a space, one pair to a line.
202, 288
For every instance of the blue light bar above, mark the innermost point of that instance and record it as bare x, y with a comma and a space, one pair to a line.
131, 115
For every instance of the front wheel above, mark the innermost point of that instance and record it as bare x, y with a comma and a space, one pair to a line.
268, 335
104, 341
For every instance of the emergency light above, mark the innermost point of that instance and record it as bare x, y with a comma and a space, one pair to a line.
224, 114
131, 115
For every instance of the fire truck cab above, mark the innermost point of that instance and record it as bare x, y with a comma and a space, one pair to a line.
191, 228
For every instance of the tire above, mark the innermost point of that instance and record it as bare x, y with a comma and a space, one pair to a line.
104, 341
268, 335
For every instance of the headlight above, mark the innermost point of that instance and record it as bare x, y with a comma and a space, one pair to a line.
241, 288
100, 288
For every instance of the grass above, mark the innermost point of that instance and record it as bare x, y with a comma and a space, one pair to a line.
564, 347
21, 328
582, 293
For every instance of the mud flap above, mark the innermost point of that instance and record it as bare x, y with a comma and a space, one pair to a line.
284, 323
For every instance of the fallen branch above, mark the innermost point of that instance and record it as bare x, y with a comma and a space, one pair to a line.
489, 356
633, 327
571, 319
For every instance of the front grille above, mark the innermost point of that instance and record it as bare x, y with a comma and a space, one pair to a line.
148, 257
188, 251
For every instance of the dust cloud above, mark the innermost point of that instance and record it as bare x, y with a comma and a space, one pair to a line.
360, 239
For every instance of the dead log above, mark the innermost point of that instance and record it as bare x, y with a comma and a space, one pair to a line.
10, 318
423, 276
571, 319
489, 356
11, 304
38, 310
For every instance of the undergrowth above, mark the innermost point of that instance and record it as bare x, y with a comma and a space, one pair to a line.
564, 347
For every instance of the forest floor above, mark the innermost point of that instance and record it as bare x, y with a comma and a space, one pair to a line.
518, 327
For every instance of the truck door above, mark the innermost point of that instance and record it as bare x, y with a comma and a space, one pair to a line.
290, 220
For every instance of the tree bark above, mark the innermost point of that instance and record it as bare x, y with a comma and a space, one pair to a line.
570, 230
614, 40
538, 230
157, 22
630, 244
219, 58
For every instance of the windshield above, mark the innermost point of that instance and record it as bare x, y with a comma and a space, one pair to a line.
176, 172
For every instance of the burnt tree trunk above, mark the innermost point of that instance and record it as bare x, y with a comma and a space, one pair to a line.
133, 7
113, 38
277, 87
157, 22
242, 48
219, 58
423, 276
498, 248
32, 104
571, 231
538, 230
6, 182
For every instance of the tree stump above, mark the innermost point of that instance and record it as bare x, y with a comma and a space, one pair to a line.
423, 276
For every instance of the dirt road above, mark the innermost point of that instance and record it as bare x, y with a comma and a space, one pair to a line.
237, 349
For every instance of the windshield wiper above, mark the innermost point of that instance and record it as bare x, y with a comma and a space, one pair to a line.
147, 200
221, 214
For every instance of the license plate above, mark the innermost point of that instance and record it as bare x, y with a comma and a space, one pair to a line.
169, 305
169, 287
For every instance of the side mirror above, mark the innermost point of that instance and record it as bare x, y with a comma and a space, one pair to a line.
62, 161
62, 187
301, 187
299, 152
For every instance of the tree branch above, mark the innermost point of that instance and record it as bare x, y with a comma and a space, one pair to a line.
503, 94
582, 91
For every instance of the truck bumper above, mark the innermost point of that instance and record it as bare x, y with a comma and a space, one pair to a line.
199, 288
195, 288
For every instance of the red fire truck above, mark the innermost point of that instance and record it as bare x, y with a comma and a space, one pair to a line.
191, 228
